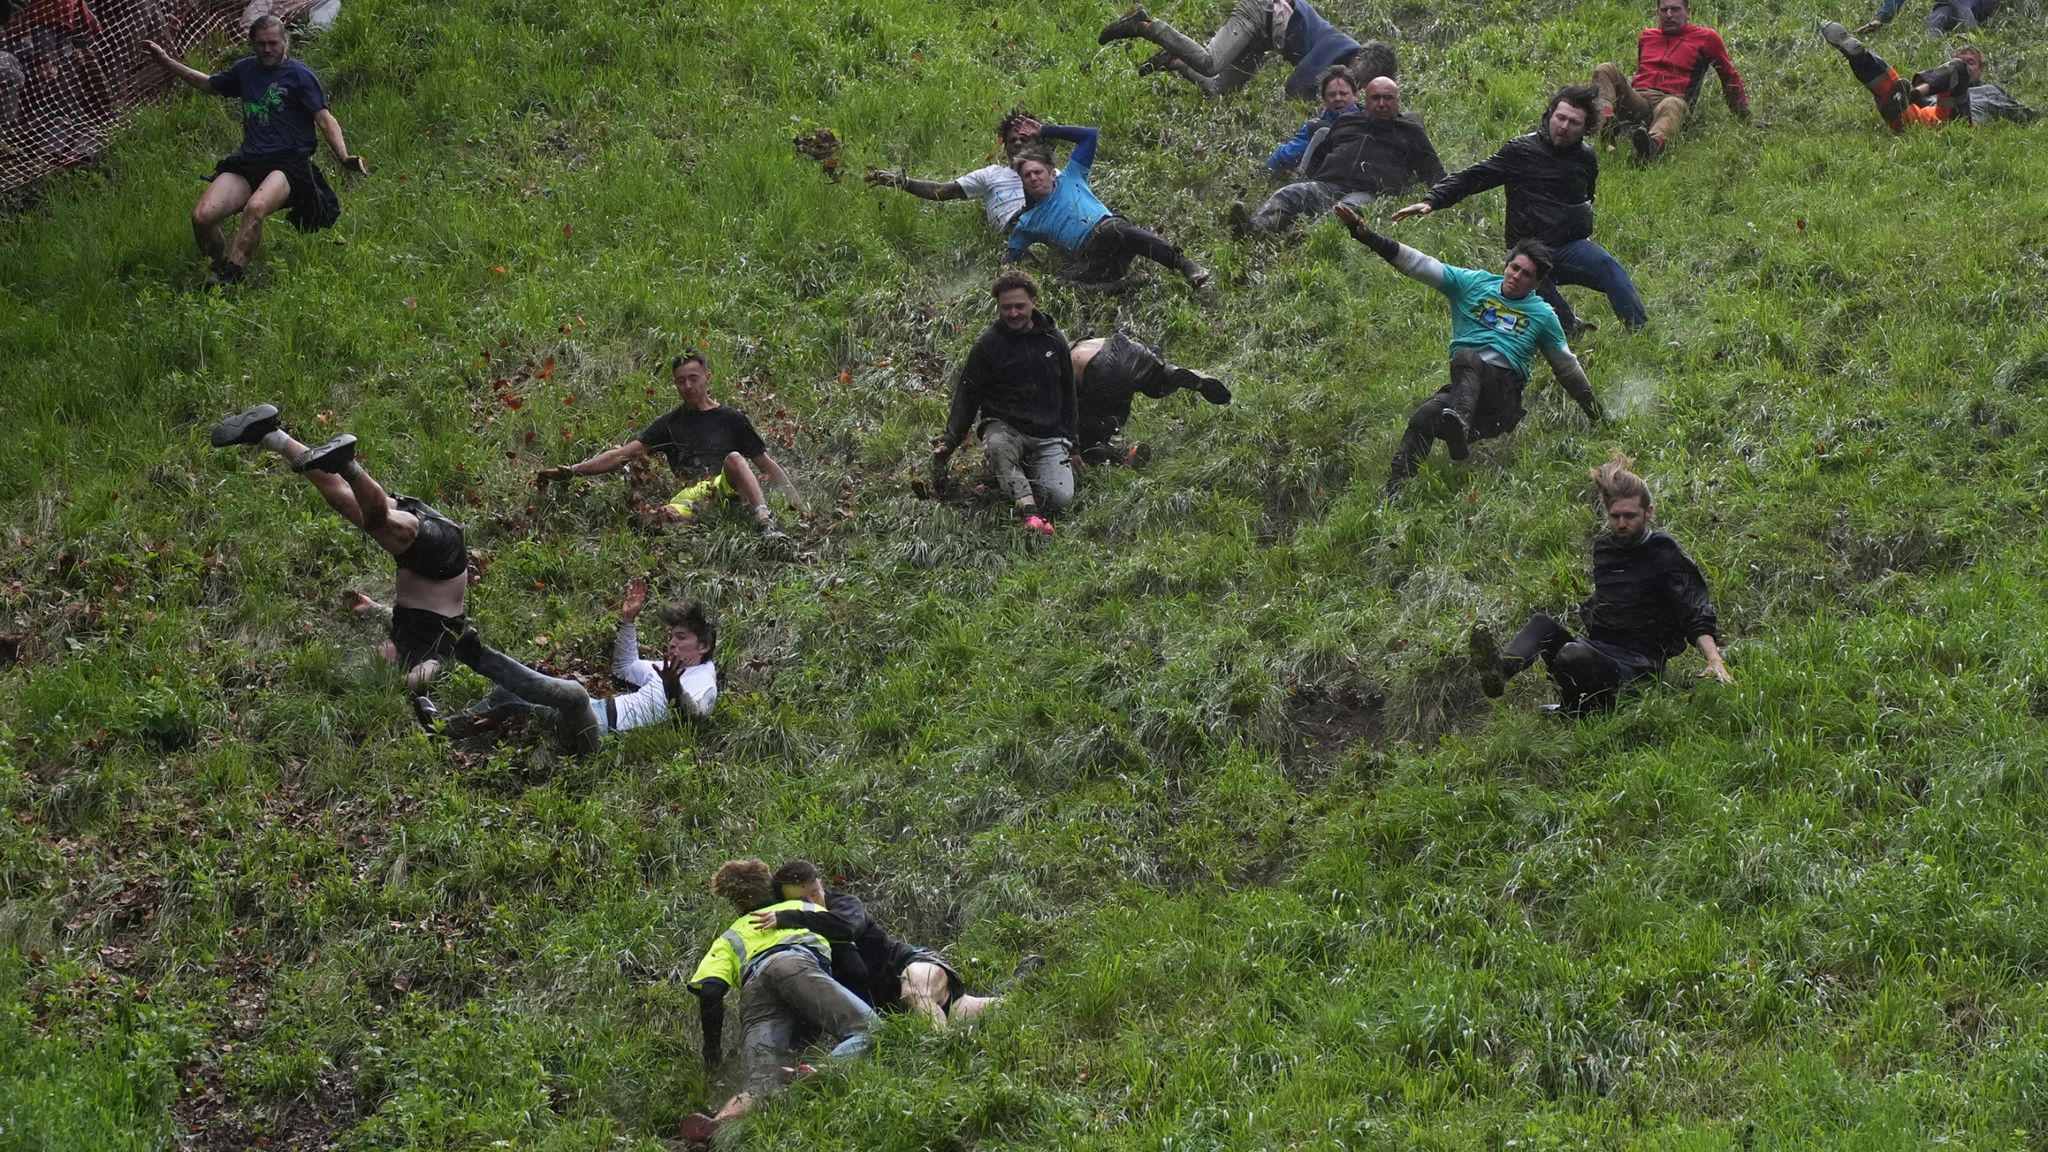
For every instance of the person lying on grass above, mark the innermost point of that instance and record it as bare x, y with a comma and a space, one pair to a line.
1498, 325
996, 186
1551, 175
1109, 372
1370, 151
886, 973
786, 992
708, 446
1954, 91
1018, 383
1063, 213
1649, 601
430, 549
1292, 28
282, 107
1672, 60
685, 683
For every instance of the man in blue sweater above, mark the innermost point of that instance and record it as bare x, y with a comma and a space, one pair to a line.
1292, 28
1498, 325
1063, 213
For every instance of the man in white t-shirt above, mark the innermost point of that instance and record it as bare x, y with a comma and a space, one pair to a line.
684, 684
999, 189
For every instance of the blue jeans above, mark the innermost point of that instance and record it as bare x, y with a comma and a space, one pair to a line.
1587, 265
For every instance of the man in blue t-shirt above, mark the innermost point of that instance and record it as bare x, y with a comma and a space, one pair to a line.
282, 106
1498, 325
1063, 213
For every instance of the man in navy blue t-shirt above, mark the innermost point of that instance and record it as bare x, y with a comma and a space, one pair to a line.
282, 106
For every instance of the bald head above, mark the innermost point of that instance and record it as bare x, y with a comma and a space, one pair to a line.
1382, 98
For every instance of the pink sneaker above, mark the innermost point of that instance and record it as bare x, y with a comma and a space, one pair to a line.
1038, 524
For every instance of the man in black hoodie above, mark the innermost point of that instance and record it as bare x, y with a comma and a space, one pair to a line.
1550, 176
1649, 601
1370, 152
1019, 382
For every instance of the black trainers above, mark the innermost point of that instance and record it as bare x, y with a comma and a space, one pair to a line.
249, 427
1648, 147
1838, 38
1239, 219
1128, 26
1450, 428
423, 710
1159, 61
1213, 390
1486, 662
334, 456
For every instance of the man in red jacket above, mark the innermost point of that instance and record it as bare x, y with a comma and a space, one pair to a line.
1672, 59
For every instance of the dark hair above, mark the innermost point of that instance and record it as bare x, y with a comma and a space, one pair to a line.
1617, 483
265, 23
1584, 97
686, 357
1538, 253
744, 884
1012, 279
1336, 72
1373, 60
797, 873
1010, 120
693, 619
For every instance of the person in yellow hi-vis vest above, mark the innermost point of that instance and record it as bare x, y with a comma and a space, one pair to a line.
785, 977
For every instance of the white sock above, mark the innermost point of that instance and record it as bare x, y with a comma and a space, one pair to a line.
762, 513
275, 440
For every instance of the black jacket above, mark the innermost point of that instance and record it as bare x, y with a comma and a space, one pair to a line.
1550, 189
864, 958
1648, 596
1361, 153
1025, 379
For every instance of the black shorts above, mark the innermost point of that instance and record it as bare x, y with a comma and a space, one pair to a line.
420, 635
439, 552
312, 204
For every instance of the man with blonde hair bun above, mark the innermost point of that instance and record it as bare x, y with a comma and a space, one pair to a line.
1649, 601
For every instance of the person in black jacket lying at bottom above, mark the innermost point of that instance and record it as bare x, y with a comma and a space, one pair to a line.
1649, 601
889, 974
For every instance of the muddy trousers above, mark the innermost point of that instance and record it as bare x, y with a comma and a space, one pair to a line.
1661, 112
563, 704
1589, 674
1484, 398
1029, 467
790, 995
1894, 95
1107, 253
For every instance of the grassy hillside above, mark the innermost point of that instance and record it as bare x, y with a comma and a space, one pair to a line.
1212, 749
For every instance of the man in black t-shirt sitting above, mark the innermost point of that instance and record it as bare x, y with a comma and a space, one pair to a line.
708, 446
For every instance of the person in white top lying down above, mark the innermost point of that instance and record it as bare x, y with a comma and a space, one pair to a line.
683, 684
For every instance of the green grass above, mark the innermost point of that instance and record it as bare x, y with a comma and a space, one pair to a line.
1212, 749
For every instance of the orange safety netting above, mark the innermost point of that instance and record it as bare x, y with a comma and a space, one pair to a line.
72, 70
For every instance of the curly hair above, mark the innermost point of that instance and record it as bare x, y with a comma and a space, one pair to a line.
1012, 279
744, 884
1014, 117
1617, 483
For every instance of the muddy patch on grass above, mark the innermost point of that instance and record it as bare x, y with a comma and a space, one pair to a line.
1324, 725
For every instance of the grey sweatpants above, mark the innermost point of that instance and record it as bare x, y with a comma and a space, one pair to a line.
1028, 467
784, 997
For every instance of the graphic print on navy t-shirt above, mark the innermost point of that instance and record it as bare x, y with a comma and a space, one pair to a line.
278, 105
1495, 314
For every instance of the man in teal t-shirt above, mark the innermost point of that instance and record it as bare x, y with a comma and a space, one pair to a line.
1498, 325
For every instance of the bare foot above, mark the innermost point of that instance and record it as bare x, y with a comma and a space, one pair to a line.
358, 604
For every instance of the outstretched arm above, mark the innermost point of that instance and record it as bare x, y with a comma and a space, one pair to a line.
176, 67
1711, 649
1572, 376
1083, 140
1407, 261
331, 129
922, 189
609, 460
